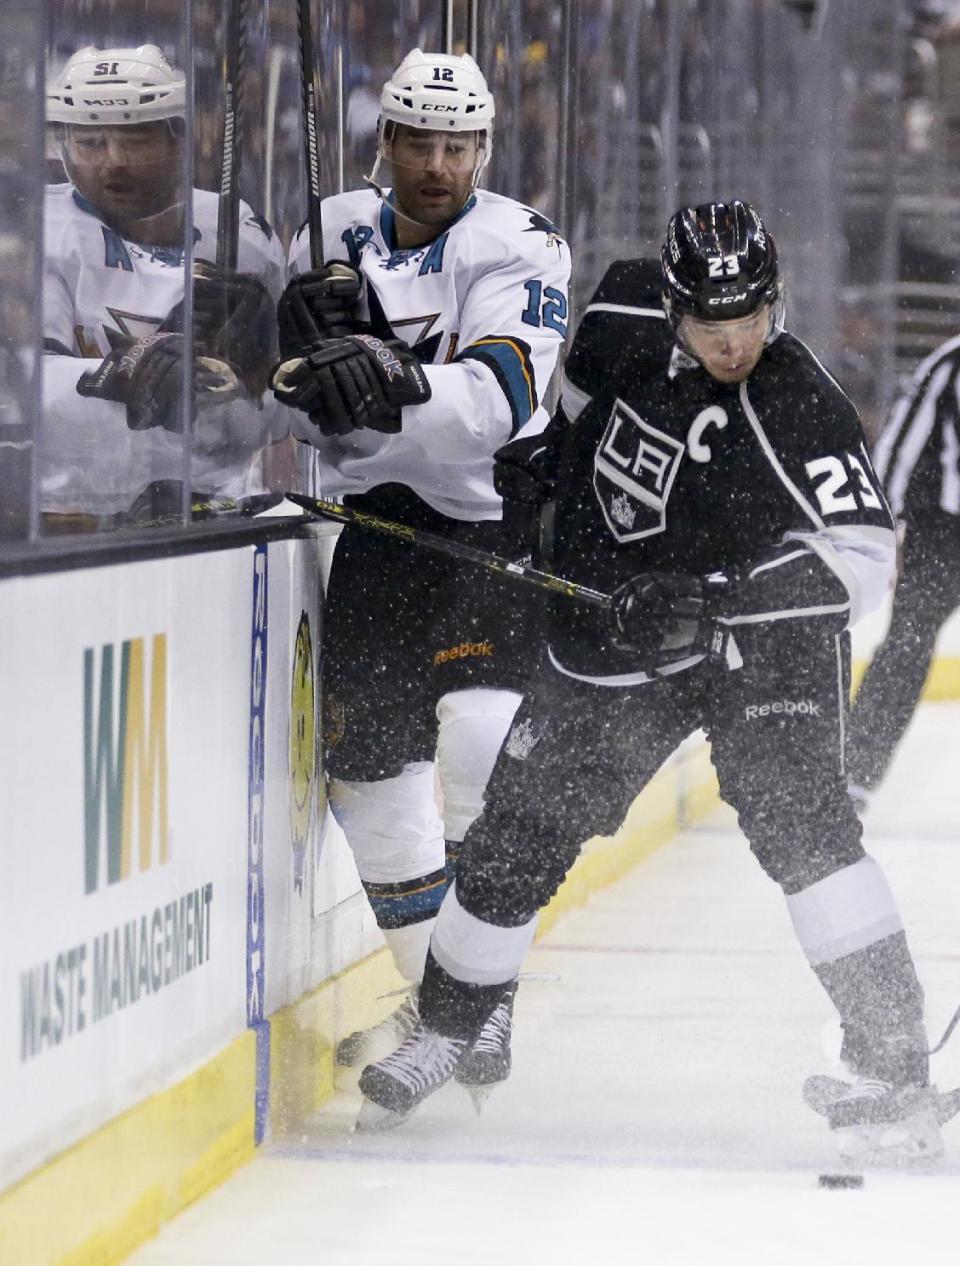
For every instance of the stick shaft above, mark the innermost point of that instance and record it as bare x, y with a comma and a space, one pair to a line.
228, 212
311, 145
457, 549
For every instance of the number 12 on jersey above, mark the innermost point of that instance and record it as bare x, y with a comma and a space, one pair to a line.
546, 307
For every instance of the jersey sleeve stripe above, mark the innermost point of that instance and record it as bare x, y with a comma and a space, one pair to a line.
774, 461
626, 310
509, 359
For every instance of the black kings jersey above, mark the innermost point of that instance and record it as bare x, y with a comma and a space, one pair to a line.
664, 469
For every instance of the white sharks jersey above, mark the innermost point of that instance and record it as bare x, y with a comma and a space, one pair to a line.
484, 306
100, 291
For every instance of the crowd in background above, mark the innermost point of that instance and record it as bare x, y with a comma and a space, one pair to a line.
844, 126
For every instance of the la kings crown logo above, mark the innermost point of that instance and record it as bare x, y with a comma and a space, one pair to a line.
522, 740
634, 470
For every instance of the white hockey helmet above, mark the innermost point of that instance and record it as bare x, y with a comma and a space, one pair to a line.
438, 91
105, 87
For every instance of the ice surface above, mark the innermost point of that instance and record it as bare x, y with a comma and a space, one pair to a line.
654, 1113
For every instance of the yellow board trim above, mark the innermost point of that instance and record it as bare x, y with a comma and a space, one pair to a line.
942, 684
677, 796
93, 1204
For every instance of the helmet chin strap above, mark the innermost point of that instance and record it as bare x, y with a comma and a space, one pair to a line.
375, 185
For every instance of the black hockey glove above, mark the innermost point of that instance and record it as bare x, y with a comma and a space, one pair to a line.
665, 616
234, 321
349, 383
316, 306
525, 471
147, 376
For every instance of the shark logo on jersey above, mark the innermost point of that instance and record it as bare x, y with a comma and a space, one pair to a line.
425, 324
399, 259
131, 326
540, 224
633, 471
423, 344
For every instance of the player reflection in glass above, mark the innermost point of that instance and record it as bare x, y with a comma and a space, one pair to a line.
113, 309
132, 175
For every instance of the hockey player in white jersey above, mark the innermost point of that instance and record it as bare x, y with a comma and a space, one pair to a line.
113, 304
409, 363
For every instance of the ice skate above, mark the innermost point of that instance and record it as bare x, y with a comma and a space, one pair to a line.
879, 1124
487, 1063
400, 1082
364, 1046
820, 1091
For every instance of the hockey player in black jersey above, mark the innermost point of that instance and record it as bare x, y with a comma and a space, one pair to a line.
918, 460
712, 476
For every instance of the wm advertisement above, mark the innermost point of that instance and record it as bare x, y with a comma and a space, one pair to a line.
125, 798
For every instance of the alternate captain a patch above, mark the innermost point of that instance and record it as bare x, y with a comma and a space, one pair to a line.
633, 472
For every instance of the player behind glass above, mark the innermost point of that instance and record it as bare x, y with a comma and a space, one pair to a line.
714, 481
113, 301
409, 363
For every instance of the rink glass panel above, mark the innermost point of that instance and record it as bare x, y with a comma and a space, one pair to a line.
20, 262
609, 116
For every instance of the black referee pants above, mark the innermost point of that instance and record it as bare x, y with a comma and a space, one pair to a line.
928, 592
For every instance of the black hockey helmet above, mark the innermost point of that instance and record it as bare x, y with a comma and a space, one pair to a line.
720, 263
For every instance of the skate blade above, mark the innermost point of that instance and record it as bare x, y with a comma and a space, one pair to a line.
373, 1119
479, 1095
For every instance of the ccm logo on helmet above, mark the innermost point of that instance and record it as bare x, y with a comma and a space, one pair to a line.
440, 109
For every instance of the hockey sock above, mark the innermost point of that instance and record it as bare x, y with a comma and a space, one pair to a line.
455, 1008
880, 1002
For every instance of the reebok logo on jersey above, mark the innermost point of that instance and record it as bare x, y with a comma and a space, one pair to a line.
465, 650
784, 707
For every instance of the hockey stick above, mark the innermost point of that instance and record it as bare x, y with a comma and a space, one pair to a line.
443, 545
311, 151
946, 1036
228, 212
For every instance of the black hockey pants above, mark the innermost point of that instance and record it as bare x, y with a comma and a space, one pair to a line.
579, 753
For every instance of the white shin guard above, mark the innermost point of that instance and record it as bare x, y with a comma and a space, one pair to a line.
473, 725
478, 953
392, 825
409, 948
848, 911
394, 830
